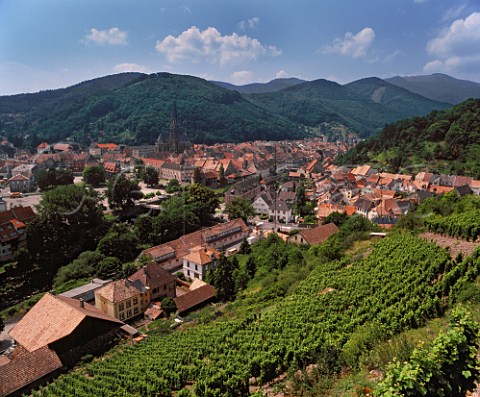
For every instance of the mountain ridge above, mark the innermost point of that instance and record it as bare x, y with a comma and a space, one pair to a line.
134, 108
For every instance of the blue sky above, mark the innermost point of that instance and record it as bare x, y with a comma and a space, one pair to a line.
46, 44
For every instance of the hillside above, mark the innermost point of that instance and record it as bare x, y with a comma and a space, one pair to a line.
259, 88
321, 101
333, 319
446, 141
137, 111
439, 87
134, 108
399, 100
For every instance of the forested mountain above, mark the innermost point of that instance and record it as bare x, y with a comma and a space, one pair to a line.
363, 107
134, 108
439, 87
443, 141
137, 111
399, 100
258, 88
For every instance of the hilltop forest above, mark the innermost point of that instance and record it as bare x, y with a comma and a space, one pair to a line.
443, 141
134, 108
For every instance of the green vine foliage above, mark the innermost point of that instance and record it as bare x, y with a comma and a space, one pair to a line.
446, 368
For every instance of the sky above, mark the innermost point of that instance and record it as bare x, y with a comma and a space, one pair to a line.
48, 44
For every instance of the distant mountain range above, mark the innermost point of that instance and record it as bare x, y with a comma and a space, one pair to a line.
439, 87
134, 108
261, 88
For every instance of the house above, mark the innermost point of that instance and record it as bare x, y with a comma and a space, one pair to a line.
21, 183
316, 235
199, 261
280, 211
180, 172
194, 298
54, 334
97, 149
363, 206
170, 255
43, 147
123, 299
246, 189
13, 226
262, 203
161, 283
87, 291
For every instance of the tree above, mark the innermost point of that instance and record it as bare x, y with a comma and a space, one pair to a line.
223, 279
173, 186
197, 175
109, 267
221, 176
245, 247
300, 200
69, 220
122, 192
94, 175
240, 208
168, 306
53, 177
119, 242
2, 325
203, 201
339, 218
251, 266
150, 176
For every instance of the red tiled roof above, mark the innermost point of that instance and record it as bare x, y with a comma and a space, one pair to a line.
27, 368
118, 291
319, 234
195, 297
152, 275
52, 318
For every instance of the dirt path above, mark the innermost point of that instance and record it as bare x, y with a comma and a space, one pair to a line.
454, 245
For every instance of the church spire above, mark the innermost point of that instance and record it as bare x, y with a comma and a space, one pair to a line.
174, 130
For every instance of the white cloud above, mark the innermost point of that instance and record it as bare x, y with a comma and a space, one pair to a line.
186, 9
282, 74
112, 36
453, 12
195, 45
241, 77
131, 67
354, 45
456, 49
251, 23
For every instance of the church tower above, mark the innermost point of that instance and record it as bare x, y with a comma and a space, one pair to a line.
174, 141
174, 135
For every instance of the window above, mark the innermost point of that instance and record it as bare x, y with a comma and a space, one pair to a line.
121, 307
129, 304
155, 290
122, 316
196, 267
129, 313
188, 273
135, 310
135, 301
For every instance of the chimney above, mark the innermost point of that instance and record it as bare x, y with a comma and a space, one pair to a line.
82, 302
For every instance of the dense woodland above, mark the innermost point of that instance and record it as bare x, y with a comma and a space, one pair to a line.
134, 108
444, 141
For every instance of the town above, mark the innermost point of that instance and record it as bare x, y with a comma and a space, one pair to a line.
289, 188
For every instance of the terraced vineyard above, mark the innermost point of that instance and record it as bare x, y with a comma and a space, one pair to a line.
396, 287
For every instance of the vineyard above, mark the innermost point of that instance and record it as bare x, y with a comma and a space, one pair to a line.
452, 215
339, 309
